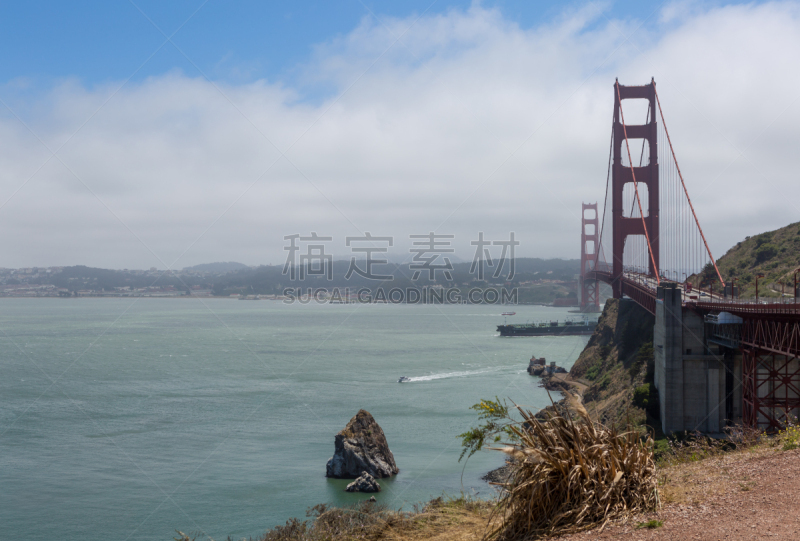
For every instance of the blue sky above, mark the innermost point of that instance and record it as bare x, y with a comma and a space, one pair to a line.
119, 150
101, 41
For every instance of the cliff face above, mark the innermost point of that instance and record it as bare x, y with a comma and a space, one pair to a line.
617, 365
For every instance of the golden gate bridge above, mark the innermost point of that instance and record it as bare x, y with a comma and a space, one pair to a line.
647, 244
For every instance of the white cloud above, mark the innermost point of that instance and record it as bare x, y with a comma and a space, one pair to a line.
465, 103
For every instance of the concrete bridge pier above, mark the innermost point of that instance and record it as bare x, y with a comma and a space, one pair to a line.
697, 383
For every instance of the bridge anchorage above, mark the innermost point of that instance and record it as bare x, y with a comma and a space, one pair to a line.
719, 359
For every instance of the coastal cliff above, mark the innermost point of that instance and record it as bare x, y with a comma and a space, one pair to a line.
614, 372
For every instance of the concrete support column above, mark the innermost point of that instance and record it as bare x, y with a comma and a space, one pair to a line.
713, 399
668, 342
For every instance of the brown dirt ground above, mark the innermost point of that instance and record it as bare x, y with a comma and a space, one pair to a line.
747, 495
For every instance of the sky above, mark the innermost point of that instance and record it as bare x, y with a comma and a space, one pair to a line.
168, 134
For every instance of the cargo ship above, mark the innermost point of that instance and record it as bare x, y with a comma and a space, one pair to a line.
549, 328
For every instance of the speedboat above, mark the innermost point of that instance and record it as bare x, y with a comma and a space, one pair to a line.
403, 379
508, 314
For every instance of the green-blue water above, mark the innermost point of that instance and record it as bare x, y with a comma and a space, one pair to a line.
126, 419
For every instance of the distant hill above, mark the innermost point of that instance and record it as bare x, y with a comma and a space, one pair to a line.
268, 279
227, 266
775, 254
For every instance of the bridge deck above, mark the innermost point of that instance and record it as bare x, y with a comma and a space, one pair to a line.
768, 326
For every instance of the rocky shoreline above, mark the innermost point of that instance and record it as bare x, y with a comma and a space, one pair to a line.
500, 475
553, 378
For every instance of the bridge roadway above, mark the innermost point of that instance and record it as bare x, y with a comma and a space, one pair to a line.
711, 370
770, 326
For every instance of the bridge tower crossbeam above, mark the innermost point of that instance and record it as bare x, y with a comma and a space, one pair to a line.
770, 389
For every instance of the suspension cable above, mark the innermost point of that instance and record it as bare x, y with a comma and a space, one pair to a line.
605, 203
675, 158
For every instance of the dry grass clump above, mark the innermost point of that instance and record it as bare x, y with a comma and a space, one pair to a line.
362, 520
441, 518
572, 475
695, 446
359, 521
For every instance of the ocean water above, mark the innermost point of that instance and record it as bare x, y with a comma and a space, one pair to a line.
128, 419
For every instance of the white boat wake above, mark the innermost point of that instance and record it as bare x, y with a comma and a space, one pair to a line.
445, 375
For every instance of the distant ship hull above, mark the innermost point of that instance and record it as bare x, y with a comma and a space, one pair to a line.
575, 329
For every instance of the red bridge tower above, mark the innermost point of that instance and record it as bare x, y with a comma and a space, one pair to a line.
621, 175
590, 289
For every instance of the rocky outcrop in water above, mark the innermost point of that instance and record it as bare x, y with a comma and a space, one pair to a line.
361, 447
364, 483
536, 366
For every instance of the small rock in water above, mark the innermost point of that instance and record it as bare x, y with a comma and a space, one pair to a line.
365, 483
536, 370
361, 447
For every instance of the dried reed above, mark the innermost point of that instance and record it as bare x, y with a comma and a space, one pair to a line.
572, 475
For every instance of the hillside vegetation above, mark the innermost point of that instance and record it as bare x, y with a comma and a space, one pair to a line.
617, 365
775, 254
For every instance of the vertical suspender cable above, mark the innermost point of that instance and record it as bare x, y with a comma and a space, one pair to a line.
608, 178
678, 168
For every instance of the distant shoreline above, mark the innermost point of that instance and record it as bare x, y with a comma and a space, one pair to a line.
187, 297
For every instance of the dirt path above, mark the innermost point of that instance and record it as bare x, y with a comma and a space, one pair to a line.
749, 495
567, 381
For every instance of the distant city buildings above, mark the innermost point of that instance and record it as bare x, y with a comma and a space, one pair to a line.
55, 282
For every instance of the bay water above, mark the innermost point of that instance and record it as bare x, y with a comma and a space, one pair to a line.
131, 418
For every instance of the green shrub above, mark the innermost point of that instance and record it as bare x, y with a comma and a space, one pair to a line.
766, 252
646, 397
644, 357
763, 239
641, 396
790, 437
650, 524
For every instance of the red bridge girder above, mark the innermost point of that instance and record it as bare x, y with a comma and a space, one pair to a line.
771, 327
642, 294
745, 309
776, 336
770, 390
